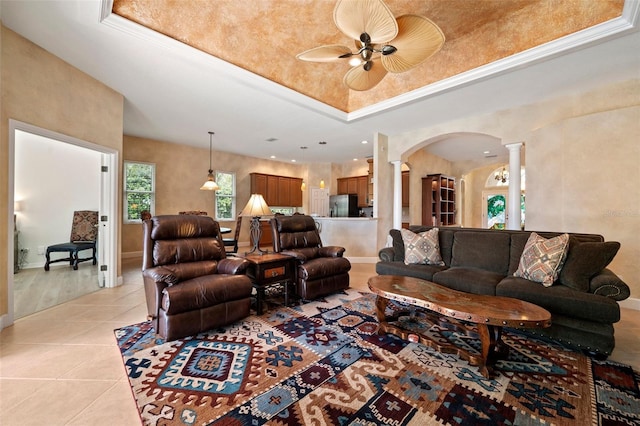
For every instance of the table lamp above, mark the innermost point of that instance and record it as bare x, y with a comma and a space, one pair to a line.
255, 208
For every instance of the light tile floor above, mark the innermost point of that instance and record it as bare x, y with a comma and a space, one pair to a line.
61, 366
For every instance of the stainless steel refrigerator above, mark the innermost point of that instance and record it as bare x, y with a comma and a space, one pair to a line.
343, 205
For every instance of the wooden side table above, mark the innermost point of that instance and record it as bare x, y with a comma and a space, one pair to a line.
269, 270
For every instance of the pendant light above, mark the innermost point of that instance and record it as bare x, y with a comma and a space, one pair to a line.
210, 184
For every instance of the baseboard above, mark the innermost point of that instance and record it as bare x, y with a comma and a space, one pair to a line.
631, 303
362, 259
4, 321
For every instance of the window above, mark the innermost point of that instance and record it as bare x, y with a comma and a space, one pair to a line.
226, 196
139, 190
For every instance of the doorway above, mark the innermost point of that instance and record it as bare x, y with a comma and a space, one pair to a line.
104, 199
494, 208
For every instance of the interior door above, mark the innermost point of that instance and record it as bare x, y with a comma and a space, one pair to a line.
107, 274
319, 201
494, 209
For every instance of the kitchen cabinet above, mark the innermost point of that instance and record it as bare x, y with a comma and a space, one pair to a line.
278, 191
358, 185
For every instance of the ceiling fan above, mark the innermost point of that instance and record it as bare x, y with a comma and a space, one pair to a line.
384, 43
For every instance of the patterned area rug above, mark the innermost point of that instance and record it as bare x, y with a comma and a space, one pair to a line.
323, 363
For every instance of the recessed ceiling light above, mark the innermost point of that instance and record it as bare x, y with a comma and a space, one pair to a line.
293, 161
365, 141
273, 156
487, 152
355, 159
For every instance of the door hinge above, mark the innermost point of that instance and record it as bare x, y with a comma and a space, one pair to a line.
104, 169
103, 268
104, 218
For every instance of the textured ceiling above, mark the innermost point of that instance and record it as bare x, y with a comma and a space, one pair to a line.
264, 36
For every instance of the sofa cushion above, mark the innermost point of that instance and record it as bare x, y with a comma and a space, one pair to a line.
560, 299
469, 280
487, 250
585, 260
422, 248
424, 272
542, 258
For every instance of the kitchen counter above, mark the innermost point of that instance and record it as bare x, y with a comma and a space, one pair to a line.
356, 234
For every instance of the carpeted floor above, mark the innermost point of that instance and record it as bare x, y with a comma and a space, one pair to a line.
323, 363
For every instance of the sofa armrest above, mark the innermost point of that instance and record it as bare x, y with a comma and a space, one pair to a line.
331, 251
608, 284
233, 266
386, 254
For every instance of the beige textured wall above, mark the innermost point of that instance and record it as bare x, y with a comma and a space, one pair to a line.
586, 178
41, 89
182, 169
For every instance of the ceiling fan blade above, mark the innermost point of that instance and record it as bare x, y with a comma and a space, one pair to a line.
418, 38
359, 79
373, 17
327, 53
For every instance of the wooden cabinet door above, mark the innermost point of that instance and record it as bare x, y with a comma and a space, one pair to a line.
342, 186
405, 189
284, 191
295, 192
352, 185
362, 191
259, 184
272, 191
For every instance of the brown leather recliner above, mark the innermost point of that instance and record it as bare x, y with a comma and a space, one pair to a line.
190, 284
321, 270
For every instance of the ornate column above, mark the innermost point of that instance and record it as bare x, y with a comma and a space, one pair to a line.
397, 194
513, 207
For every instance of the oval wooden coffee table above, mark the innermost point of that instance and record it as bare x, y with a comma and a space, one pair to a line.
488, 313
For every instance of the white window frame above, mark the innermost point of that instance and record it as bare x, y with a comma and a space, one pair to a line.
232, 195
125, 202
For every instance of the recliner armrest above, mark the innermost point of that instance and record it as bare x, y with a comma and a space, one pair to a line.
160, 274
299, 256
233, 266
331, 251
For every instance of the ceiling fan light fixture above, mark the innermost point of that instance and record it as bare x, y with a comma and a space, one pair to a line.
355, 61
373, 27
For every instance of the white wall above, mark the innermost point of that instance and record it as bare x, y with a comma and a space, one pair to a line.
52, 179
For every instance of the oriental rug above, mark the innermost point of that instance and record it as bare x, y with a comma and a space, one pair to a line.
323, 363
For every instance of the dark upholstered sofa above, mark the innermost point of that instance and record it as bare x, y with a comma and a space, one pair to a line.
483, 261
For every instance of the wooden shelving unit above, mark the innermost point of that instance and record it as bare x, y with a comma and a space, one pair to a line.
438, 200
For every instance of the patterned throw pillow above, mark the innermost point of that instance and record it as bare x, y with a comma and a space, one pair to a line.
542, 259
422, 248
